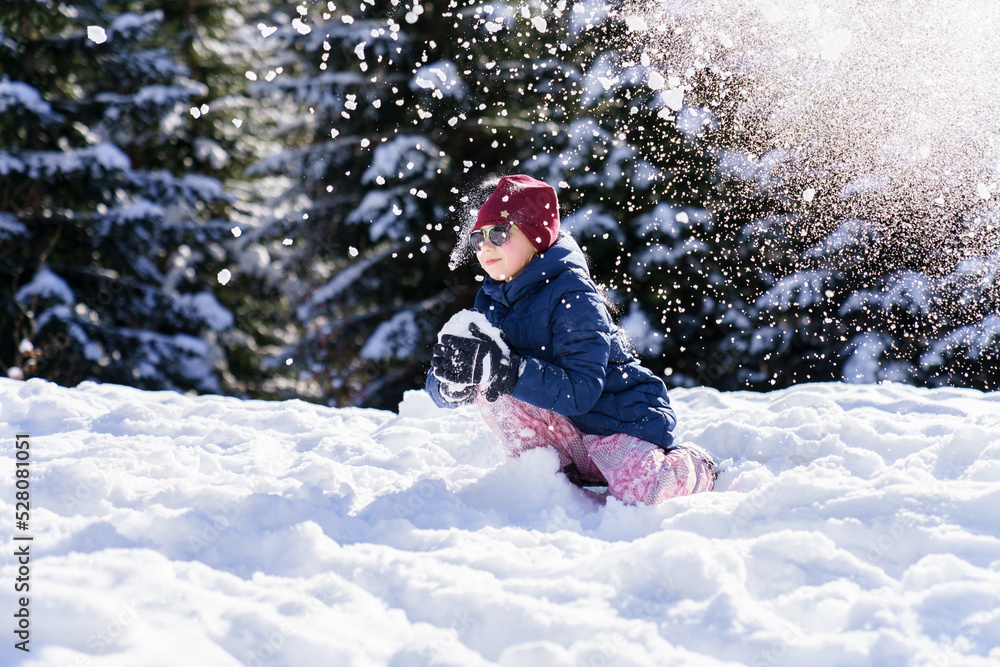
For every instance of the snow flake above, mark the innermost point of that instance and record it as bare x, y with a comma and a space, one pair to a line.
96, 34
636, 23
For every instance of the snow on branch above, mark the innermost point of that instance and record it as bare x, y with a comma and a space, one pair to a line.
10, 227
406, 156
341, 282
44, 284
801, 289
971, 341
395, 338
132, 27
17, 97
100, 160
442, 78
909, 291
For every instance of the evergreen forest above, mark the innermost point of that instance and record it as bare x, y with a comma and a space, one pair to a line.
269, 200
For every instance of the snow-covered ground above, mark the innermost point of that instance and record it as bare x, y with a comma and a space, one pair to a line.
852, 525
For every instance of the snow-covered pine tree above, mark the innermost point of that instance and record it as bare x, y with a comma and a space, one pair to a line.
862, 306
106, 236
916, 327
220, 45
404, 107
640, 173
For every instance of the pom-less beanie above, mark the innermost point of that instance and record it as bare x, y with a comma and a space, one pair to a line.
528, 203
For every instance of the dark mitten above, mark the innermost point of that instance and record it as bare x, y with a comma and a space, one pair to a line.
479, 360
453, 360
504, 369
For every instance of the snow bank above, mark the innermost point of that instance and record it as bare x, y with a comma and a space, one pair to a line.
851, 525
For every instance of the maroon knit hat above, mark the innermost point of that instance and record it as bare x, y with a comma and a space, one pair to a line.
528, 203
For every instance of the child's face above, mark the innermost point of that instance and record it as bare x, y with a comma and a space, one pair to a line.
504, 262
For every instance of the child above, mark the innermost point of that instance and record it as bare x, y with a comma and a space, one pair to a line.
546, 365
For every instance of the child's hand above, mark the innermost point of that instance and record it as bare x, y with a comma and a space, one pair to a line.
456, 393
454, 360
476, 360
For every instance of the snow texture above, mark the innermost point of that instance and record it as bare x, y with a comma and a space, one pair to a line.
103, 158
45, 284
205, 307
134, 27
17, 95
395, 338
460, 324
851, 525
386, 212
10, 227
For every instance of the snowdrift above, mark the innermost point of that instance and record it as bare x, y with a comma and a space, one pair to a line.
852, 525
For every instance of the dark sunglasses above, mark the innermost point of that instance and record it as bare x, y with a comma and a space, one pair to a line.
498, 234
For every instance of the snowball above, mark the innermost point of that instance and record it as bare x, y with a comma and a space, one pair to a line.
461, 323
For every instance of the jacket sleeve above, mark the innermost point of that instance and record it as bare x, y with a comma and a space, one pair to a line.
433, 387
581, 345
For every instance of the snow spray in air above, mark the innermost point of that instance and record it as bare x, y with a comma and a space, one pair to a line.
888, 111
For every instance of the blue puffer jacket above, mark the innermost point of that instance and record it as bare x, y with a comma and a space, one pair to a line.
577, 363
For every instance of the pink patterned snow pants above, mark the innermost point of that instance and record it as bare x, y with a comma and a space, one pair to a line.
636, 471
